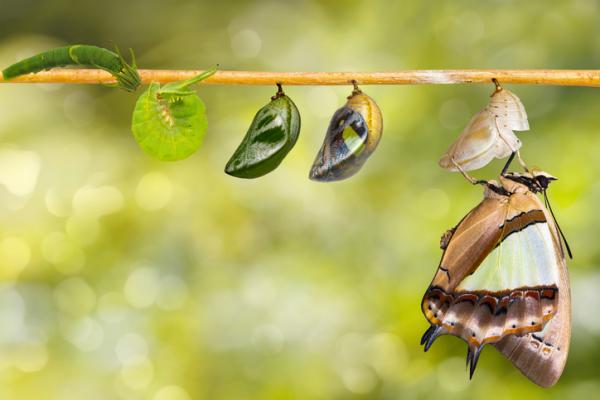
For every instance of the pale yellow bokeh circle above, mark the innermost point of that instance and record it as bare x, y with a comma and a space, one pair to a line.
154, 191
172, 393
14, 257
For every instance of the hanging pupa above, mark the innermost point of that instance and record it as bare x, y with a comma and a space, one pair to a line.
489, 134
272, 134
503, 280
352, 136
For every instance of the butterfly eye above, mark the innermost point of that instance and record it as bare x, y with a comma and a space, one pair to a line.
272, 134
353, 134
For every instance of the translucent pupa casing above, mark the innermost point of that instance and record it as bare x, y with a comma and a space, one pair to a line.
489, 134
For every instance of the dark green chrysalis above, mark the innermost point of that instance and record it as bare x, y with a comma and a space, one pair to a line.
353, 134
90, 56
269, 139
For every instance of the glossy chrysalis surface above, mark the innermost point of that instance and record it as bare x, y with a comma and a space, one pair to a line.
503, 280
169, 122
353, 134
90, 56
272, 134
489, 134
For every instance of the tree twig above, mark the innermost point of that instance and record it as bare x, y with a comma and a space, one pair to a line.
408, 77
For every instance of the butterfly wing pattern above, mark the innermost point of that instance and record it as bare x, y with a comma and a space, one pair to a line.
502, 280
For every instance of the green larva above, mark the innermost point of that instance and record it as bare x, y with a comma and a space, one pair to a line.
169, 122
269, 139
90, 56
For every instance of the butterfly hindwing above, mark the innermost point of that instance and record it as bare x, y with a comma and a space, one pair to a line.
541, 356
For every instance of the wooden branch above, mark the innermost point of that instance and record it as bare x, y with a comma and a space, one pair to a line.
414, 77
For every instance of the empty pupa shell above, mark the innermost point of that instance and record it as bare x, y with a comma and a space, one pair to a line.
272, 134
489, 134
353, 134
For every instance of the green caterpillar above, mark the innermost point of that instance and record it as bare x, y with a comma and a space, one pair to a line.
272, 134
91, 56
169, 122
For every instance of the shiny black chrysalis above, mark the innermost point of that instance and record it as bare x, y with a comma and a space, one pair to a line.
353, 134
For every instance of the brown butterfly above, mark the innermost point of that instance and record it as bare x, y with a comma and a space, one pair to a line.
503, 280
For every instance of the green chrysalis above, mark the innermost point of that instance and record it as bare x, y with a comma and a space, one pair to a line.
169, 122
353, 134
272, 134
90, 56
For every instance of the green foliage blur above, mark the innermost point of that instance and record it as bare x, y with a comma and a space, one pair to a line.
123, 277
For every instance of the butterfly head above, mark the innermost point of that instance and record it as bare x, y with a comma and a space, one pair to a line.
535, 180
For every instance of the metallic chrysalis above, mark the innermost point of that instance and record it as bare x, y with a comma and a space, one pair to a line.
353, 134
90, 56
489, 134
169, 122
272, 134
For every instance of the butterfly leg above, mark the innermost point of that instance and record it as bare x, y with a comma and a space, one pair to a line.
445, 239
521, 161
508, 162
467, 176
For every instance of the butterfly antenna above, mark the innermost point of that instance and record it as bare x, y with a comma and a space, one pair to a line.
562, 235
510, 160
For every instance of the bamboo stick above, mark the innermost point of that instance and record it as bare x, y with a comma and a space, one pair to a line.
409, 77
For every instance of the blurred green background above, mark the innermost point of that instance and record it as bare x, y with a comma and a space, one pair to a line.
127, 278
